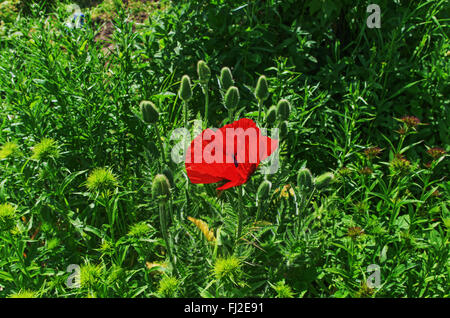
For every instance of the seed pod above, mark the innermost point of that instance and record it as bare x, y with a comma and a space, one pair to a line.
169, 175
283, 109
304, 179
185, 91
149, 111
271, 115
203, 71
323, 180
262, 89
283, 129
226, 78
232, 97
160, 188
263, 190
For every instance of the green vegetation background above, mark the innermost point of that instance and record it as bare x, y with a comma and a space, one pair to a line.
70, 105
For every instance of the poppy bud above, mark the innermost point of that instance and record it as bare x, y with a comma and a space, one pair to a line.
283, 109
262, 89
283, 129
226, 79
323, 180
232, 97
169, 175
263, 189
160, 188
150, 113
203, 71
304, 179
185, 91
271, 115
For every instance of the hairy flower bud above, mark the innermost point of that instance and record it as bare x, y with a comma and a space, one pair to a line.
263, 190
185, 91
304, 179
150, 113
232, 97
226, 78
262, 89
271, 115
323, 180
203, 71
160, 188
283, 109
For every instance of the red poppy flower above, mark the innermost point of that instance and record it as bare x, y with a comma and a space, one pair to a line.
231, 154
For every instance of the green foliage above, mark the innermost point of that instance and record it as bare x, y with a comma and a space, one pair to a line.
367, 115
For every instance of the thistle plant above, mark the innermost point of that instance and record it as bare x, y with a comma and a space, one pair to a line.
228, 268
8, 217
139, 230
261, 93
204, 75
46, 149
168, 287
9, 150
25, 293
283, 290
101, 180
90, 275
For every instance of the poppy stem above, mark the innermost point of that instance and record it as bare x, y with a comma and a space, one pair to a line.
230, 115
239, 229
158, 135
165, 232
185, 110
259, 111
205, 91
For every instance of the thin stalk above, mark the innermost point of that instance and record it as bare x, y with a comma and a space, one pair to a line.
239, 229
158, 135
205, 91
185, 109
165, 233
304, 205
259, 110
258, 212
